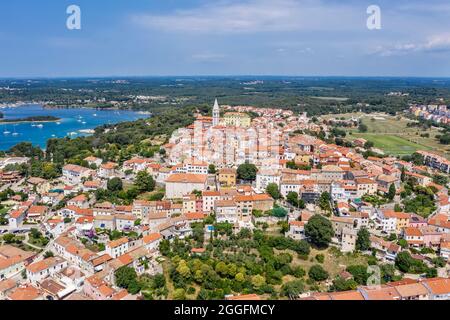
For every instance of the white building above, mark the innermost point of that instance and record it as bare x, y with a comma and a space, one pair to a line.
179, 184
117, 247
266, 177
38, 271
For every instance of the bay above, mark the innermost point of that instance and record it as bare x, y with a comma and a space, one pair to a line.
72, 120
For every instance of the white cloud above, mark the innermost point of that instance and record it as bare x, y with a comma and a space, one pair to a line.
252, 16
208, 57
436, 43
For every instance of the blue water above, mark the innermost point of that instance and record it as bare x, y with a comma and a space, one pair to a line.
71, 122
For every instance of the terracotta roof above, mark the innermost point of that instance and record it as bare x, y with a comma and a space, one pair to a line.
151, 238
25, 293
410, 290
186, 178
44, 264
438, 286
118, 242
245, 297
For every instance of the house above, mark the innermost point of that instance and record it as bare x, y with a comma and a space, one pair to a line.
296, 230
438, 288
117, 247
97, 288
226, 211
93, 161
74, 211
227, 177
74, 174
108, 170
125, 222
365, 186
152, 241
25, 293
105, 222
179, 184
266, 177
412, 291
36, 214
385, 181
421, 179
16, 217
190, 203
52, 198
348, 240
287, 186
444, 250
92, 185
38, 271
391, 221
332, 173
13, 260
6, 286
209, 198
80, 201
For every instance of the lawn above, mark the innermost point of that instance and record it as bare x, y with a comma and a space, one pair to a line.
391, 144
391, 134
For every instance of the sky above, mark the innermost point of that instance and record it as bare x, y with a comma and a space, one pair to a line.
224, 37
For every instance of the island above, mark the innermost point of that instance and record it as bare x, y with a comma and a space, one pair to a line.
31, 119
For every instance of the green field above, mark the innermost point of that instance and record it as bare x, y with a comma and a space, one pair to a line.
392, 134
391, 144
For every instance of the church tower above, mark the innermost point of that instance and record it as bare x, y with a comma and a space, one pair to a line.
216, 113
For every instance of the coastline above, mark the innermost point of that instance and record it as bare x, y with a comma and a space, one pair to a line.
28, 121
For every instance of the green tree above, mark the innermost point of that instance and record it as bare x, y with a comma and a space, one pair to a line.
359, 273
392, 192
319, 230
179, 294
247, 172
293, 288
126, 278
363, 240
324, 201
258, 281
212, 169
279, 212
317, 273
144, 182
48, 254
362, 128
115, 184
273, 190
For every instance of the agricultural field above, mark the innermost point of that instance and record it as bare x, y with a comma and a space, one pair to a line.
391, 134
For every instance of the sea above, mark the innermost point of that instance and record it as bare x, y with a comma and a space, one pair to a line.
72, 121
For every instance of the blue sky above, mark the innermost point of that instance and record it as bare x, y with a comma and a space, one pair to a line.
224, 37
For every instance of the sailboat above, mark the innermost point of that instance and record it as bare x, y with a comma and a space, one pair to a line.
6, 131
15, 133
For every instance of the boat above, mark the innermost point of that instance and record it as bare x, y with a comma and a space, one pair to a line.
94, 114
6, 132
40, 126
15, 132
84, 122
58, 123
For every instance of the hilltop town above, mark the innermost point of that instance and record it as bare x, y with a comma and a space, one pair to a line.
243, 203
